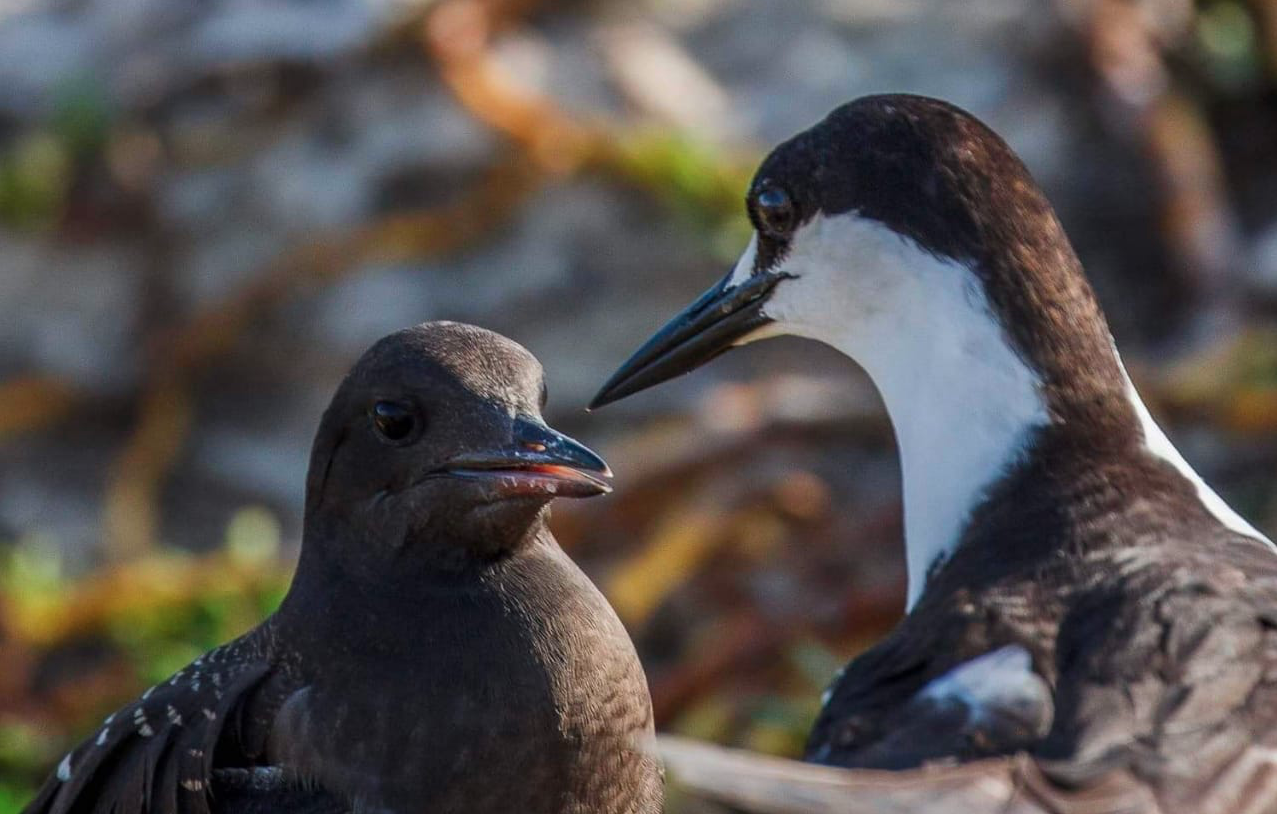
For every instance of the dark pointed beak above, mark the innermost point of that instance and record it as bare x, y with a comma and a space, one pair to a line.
705, 329
539, 461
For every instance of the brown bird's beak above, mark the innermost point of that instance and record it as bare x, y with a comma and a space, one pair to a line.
540, 462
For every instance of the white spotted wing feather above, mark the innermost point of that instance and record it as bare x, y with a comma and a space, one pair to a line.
156, 754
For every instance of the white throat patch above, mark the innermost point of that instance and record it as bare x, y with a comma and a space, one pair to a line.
962, 402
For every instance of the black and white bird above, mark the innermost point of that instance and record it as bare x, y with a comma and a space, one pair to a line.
1075, 590
436, 652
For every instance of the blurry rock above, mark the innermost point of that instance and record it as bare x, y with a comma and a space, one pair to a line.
659, 77
70, 311
1263, 263
581, 271
138, 51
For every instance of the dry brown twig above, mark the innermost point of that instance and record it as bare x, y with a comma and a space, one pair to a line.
457, 36
33, 402
757, 784
1125, 44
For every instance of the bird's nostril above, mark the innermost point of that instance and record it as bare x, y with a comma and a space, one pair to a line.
534, 446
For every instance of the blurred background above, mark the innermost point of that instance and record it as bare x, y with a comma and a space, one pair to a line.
209, 208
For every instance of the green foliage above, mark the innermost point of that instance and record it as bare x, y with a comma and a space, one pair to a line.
155, 644
81, 118
703, 187
161, 644
35, 177
1229, 45
1257, 360
32, 567
37, 168
13, 797
25, 750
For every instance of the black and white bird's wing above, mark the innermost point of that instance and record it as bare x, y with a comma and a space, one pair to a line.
157, 753
940, 691
992, 704
1179, 685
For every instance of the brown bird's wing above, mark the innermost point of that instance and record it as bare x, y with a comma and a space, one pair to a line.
269, 790
157, 753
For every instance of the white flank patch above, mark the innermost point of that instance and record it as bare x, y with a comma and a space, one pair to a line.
64, 768
961, 401
1160, 446
997, 681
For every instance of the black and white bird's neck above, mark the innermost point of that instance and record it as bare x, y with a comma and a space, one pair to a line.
963, 408
908, 235
967, 404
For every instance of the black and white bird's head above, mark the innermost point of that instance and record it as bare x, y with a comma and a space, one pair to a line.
903, 231
906, 234
434, 448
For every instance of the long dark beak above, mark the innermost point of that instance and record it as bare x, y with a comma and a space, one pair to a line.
539, 461
705, 329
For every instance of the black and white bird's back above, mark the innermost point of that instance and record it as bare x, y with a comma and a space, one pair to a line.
1159, 652
1077, 592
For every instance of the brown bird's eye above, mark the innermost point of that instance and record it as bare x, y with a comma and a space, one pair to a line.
775, 212
394, 420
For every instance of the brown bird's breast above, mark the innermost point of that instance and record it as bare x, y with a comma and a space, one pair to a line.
523, 695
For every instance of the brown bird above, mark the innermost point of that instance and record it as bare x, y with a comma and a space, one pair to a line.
436, 652
1077, 593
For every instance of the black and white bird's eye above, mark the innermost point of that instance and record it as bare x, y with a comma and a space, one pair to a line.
396, 421
774, 212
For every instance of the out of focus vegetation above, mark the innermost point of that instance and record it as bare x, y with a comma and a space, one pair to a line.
107, 634
200, 244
